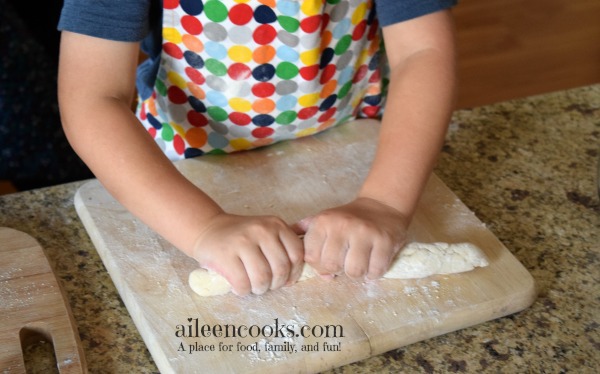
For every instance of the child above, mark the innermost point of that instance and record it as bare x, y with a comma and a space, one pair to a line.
229, 75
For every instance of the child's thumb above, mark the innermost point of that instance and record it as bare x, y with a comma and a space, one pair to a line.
301, 227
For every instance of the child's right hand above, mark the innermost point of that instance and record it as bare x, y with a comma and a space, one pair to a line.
254, 253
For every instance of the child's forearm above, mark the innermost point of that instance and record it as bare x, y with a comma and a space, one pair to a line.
419, 105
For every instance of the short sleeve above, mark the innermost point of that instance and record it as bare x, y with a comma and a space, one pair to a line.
126, 20
393, 11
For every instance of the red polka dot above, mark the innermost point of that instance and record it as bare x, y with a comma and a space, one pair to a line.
195, 75
306, 113
196, 119
240, 119
191, 24
264, 34
239, 71
310, 24
262, 132
371, 111
178, 144
327, 73
324, 22
360, 74
176, 95
327, 115
309, 72
152, 132
240, 14
173, 50
143, 112
170, 4
263, 89
375, 76
373, 30
359, 31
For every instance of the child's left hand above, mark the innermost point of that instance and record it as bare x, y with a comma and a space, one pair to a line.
359, 239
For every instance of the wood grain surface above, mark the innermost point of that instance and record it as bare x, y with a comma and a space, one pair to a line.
293, 180
32, 303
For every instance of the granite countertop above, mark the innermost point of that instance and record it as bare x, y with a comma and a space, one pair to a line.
528, 170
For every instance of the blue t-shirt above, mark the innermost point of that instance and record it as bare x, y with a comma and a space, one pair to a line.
140, 20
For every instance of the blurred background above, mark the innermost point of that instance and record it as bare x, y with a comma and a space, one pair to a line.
506, 49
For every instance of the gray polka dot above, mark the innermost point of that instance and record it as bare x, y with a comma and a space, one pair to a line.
284, 130
344, 60
286, 87
240, 34
345, 101
288, 39
239, 131
216, 83
307, 123
160, 143
215, 32
340, 11
178, 113
310, 41
310, 86
218, 127
238, 89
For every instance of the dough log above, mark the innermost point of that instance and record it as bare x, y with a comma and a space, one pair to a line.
415, 260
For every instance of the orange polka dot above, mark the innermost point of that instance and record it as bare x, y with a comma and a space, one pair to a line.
196, 137
151, 107
263, 54
192, 43
262, 142
327, 124
328, 88
270, 3
263, 106
196, 91
326, 39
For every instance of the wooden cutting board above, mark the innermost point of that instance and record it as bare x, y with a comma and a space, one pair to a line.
31, 303
341, 321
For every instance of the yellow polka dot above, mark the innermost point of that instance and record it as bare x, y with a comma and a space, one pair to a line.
241, 1
176, 79
311, 7
240, 144
172, 35
240, 105
178, 129
359, 13
311, 57
240, 53
308, 100
362, 58
305, 132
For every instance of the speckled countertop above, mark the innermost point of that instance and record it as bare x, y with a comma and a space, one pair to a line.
527, 168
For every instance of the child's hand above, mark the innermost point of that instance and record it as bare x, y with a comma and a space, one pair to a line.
254, 254
360, 238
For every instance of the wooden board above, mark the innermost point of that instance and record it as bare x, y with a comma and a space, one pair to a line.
294, 180
32, 302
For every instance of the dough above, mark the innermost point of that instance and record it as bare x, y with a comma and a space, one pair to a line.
415, 260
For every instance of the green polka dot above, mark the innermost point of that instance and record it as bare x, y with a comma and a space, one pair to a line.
216, 67
344, 90
216, 152
333, 1
217, 113
160, 87
215, 10
289, 24
287, 117
167, 132
286, 70
343, 44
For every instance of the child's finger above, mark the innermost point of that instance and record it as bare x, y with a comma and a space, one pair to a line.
356, 263
295, 252
237, 277
258, 269
276, 255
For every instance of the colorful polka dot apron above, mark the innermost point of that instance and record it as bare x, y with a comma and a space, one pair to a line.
240, 74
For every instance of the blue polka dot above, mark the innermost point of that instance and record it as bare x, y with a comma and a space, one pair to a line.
372, 100
264, 14
197, 104
374, 63
263, 120
192, 7
286, 53
216, 98
326, 57
328, 103
288, 8
217, 140
215, 50
264, 72
193, 59
192, 152
154, 122
287, 102
341, 28
345, 75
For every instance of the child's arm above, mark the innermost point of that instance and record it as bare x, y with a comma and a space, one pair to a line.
362, 237
96, 87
